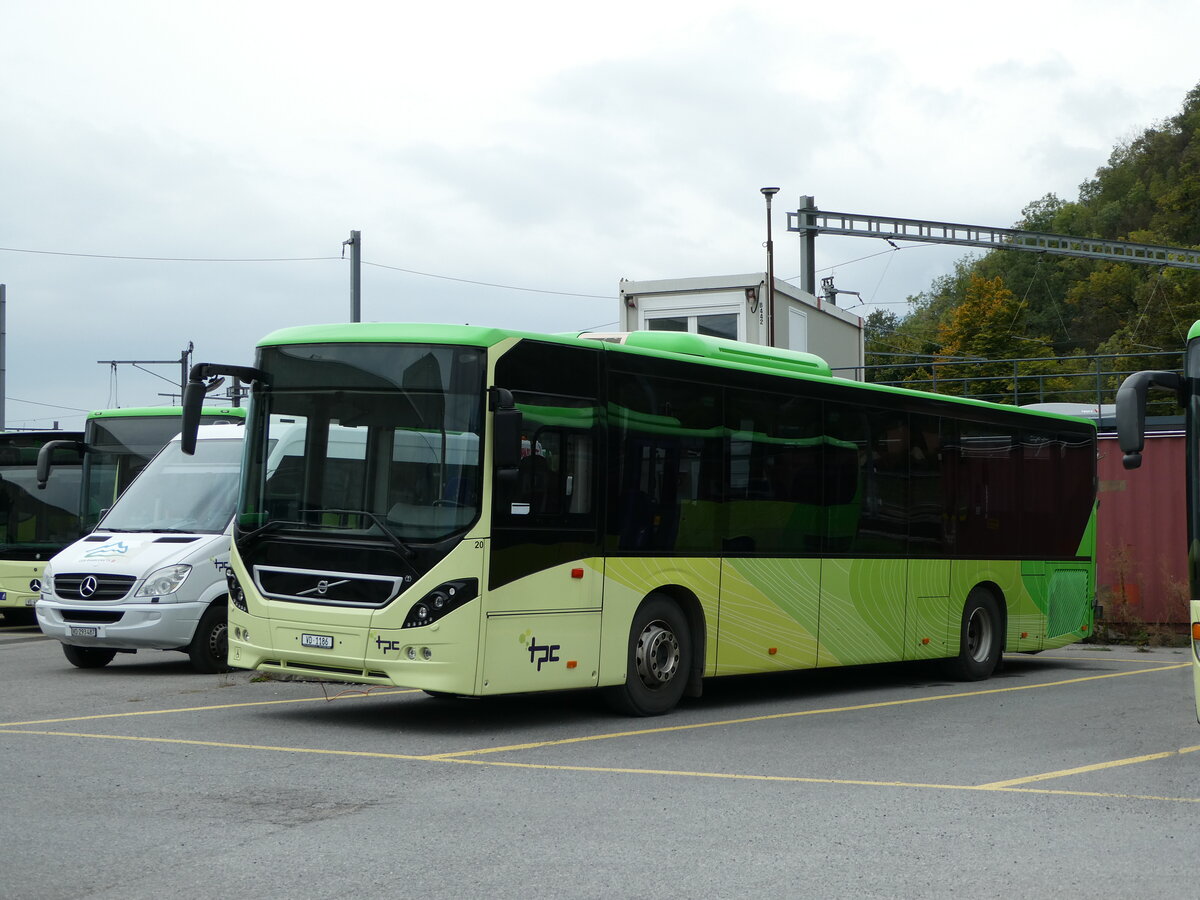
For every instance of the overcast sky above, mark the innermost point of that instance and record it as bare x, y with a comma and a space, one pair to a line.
508, 164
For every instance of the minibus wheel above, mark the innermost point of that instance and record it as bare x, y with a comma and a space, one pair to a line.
88, 657
209, 649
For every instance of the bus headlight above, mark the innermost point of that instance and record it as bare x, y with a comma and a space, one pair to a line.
236, 595
441, 600
164, 581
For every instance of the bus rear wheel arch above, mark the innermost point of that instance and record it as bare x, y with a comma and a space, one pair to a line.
659, 659
981, 637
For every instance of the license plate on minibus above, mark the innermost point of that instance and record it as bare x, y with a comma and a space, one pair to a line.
319, 641
85, 631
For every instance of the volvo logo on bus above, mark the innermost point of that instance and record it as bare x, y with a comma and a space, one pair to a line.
323, 587
88, 586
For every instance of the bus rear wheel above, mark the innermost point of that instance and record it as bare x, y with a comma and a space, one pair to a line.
659, 660
209, 650
88, 657
980, 639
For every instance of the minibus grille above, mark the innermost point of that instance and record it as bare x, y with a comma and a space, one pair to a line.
92, 616
89, 587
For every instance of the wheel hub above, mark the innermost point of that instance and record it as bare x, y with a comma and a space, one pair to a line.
657, 655
979, 635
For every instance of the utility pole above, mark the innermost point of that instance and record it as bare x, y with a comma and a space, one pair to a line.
3, 349
768, 193
183, 362
355, 244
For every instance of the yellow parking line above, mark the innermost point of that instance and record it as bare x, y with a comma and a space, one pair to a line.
791, 715
357, 695
220, 744
1095, 767
1098, 657
798, 779
610, 770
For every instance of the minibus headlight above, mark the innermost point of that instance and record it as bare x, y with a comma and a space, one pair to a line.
164, 581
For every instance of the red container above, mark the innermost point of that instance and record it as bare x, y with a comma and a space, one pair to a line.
1142, 533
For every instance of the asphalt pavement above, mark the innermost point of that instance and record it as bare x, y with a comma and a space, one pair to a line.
1072, 772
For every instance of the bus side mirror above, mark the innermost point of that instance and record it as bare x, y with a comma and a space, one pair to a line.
194, 393
1131, 410
46, 452
205, 377
506, 433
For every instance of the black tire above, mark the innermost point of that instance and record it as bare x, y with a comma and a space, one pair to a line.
659, 661
88, 657
981, 638
19, 616
209, 649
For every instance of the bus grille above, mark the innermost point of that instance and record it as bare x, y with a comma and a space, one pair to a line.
89, 587
1069, 601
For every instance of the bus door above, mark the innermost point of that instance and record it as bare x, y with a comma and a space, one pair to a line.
542, 612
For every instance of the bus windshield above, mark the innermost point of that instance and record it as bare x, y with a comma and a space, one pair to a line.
193, 494
351, 440
36, 524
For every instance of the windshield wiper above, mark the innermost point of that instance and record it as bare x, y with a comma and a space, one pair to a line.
274, 525
405, 550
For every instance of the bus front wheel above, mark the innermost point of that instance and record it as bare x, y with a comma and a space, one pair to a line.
980, 640
88, 657
658, 662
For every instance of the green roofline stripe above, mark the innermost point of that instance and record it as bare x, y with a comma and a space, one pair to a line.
699, 349
140, 412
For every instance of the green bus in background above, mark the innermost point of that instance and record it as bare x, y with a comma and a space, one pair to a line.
1131, 433
116, 445
34, 525
530, 512
90, 469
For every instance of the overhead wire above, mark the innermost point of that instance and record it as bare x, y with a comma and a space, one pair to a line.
264, 259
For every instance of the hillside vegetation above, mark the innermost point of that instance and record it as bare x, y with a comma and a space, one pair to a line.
1033, 306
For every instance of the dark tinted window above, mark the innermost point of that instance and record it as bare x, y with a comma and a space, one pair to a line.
775, 487
987, 502
666, 475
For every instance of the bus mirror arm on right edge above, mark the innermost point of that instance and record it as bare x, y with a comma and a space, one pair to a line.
46, 452
1131, 410
200, 380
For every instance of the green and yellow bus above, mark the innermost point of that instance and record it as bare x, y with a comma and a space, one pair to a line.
1131, 434
525, 512
116, 444
34, 525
